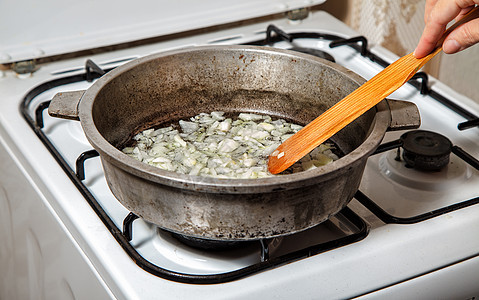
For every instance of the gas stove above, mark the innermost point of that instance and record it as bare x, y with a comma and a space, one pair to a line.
407, 232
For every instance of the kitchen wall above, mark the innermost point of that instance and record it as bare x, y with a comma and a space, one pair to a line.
397, 26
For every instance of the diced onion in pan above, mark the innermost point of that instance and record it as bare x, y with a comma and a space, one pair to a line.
216, 146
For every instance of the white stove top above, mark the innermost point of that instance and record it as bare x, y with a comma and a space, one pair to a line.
391, 258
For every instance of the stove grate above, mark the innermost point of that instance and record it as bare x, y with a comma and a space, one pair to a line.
388, 218
124, 236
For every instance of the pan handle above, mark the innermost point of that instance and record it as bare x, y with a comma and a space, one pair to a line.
404, 115
65, 105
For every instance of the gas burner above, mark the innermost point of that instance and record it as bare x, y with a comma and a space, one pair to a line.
425, 150
427, 164
315, 52
177, 255
455, 173
210, 245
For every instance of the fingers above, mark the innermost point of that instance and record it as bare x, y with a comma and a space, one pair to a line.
438, 17
463, 37
432, 33
429, 5
463, 12
438, 14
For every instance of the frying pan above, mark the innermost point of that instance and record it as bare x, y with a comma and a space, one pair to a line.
162, 88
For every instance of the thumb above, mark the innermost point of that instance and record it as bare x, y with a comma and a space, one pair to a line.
462, 37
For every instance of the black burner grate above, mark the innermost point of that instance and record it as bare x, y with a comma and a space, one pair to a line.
445, 147
124, 236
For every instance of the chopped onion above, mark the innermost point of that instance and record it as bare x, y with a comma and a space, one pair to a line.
216, 146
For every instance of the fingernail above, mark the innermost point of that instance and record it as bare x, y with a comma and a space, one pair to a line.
414, 53
451, 46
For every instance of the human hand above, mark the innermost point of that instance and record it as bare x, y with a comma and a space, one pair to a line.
437, 15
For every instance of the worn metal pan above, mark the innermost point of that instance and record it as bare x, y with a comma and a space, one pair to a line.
165, 87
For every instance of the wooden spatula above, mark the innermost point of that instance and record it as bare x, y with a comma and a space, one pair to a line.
353, 106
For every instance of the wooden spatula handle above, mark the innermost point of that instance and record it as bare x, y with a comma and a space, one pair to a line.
353, 106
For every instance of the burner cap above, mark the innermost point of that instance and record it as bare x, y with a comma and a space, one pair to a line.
426, 150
